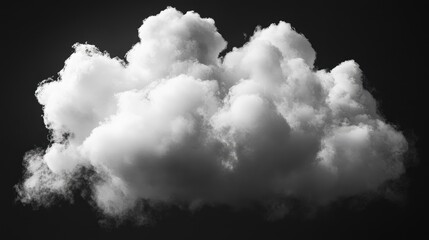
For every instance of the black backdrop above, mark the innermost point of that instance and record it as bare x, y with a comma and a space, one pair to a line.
386, 39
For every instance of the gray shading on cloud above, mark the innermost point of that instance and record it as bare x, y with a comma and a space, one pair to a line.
176, 122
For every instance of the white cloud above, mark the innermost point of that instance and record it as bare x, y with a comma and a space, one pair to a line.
177, 122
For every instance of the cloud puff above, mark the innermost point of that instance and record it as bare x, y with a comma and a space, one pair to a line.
176, 122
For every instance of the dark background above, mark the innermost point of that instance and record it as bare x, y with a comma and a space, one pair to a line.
386, 39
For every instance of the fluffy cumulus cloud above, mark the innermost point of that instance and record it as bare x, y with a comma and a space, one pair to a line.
175, 122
